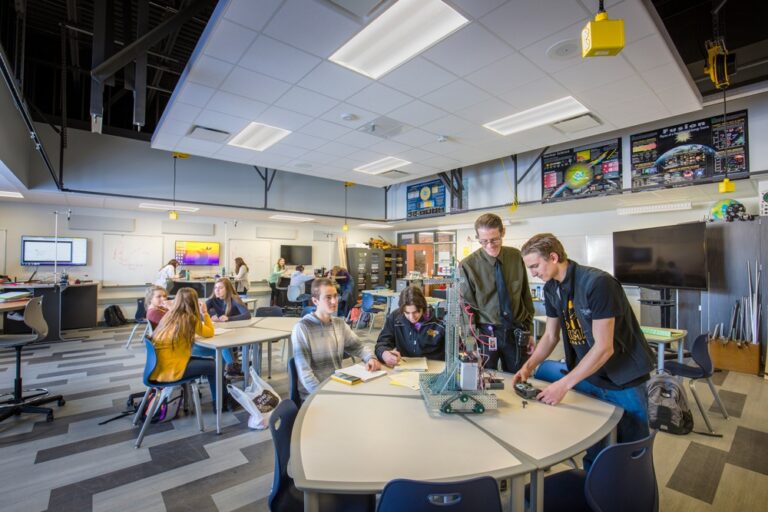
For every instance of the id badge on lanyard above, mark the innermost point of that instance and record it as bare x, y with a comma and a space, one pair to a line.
493, 345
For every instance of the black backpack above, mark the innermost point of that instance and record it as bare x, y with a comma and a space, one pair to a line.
113, 316
668, 406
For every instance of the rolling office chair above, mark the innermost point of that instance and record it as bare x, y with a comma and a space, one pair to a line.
285, 497
18, 404
703, 370
296, 298
464, 496
163, 391
141, 319
621, 478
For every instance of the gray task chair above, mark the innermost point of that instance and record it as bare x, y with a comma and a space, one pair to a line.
18, 403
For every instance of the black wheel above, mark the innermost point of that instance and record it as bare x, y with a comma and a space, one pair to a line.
61, 402
49, 417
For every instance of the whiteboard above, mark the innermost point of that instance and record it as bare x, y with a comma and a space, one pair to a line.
131, 260
257, 254
3, 234
600, 252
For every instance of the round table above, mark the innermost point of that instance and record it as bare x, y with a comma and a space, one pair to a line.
355, 439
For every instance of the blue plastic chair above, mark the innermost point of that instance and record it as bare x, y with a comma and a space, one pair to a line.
464, 496
307, 310
622, 478
163, 390
369, 310
268, 311
293, 380
285, 497
703, 370
141, 319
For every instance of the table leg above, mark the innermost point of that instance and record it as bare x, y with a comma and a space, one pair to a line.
660, 348
246, 372
613, 437
269, 359
516, 493
257, 354
680, 350
537, 491
311, 502
219, 390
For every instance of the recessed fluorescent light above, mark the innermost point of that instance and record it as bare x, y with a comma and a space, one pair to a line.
654, 208
551, 112
291, 218
8, 193
258, 136
376, 225
385, 164
403, 31
168, 207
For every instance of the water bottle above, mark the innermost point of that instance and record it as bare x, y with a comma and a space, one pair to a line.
223, 272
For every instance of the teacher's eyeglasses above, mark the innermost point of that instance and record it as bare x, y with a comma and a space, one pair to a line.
492, 241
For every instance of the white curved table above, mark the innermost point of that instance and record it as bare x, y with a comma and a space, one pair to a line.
354, 439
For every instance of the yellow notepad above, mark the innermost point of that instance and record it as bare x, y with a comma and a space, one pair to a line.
412, 364
346, 379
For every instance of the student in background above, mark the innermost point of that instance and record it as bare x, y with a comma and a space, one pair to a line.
319, 340
241, 276
225, 305
157, 304
166, 275
277, 271
411, 331
298, 278
346, 285
174, 338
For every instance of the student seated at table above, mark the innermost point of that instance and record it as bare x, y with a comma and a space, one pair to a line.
174, 341
411, 331
159, 305
298, 278
319, 340
226, 305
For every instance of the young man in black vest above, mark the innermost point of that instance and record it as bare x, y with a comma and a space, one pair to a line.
606, 353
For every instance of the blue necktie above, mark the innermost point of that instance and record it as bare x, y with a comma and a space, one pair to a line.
505, 305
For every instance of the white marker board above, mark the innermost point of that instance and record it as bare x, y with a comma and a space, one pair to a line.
256, 254
3, 234
131, 260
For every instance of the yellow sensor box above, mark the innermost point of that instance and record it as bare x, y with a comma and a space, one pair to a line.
602, 37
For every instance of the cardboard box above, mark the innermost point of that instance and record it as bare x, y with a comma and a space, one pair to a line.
745, 359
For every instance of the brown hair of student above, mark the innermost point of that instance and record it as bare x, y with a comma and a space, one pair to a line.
230, 294
489, 221
180, 321
545, 244
413, 296
151, 293
319, 283
175, 264
239, 263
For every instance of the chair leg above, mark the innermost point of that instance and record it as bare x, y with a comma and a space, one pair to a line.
717, 398
150, 414
198, 409
130, 338
137, 416
692, 386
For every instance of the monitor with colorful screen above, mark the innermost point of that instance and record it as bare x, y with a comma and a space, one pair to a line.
198, 253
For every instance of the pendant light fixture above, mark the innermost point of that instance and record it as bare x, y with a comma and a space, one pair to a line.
347, 184
174, 214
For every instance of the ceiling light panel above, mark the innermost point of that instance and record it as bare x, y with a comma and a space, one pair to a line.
258, 136
403, 31
9, 193
551, 112
291, 218
385, 164
654, 208
168, 207
376, 225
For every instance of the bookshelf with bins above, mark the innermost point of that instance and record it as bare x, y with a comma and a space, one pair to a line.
394, 267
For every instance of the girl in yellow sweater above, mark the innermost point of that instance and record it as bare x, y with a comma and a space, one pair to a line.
174, 337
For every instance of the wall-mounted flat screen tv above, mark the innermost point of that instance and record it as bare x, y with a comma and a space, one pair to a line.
662, 257
44, 250
198, 253
296, 254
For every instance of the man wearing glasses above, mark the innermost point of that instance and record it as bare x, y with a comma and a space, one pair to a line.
496, 297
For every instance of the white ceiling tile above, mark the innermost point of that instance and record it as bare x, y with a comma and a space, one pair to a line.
164, 140
306, 102
614, 92
456, 95
485, 111
194, 94
534, 93
366, 156
446, 148
312, 27
302, 140
594, 72
229, 41
416, 113
235, 105
476, 135
468, 50
477, 8
505, 74
317, 157
278, 60
348, 164
235, 154
283, 149
638, 110
286, 119
254, 85
537, 52
679, 100
666, 77
270, 160
448, 125
379, 98
362, 116
175, 127
415, 137
648, 53
418, 77
334, 81
324, 129
523, 22
197, 146
442, 162
416, 155
637, 21
183, 112
209, 71
389, 147
251, 14
338, 149
219, 121
358, 139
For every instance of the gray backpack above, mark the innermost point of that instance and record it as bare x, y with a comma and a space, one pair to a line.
668, 405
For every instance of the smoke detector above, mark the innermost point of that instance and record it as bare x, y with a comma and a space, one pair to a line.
564, 50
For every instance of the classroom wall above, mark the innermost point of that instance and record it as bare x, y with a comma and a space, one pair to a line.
490, 183
16, 146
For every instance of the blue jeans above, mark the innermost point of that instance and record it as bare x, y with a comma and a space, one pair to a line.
226, 354
634, 422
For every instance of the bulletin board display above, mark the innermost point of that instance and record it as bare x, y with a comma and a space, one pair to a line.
583, 171
691, 152
425, 200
